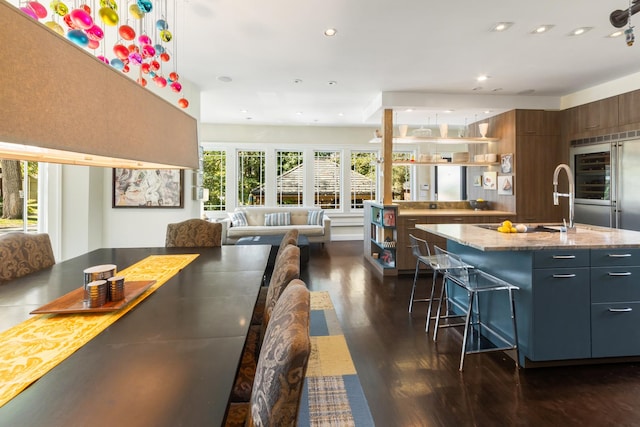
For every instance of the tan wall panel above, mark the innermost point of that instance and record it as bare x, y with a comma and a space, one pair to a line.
53, 94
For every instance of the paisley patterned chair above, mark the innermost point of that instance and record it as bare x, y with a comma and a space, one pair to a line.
277, 388
193, 233
287, 268
24, 253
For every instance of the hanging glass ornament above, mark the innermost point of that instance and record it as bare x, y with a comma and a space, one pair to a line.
145, 5
59, 8
166, 35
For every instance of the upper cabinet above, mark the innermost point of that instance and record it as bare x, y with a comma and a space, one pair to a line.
629, 108
537, 123
591, 119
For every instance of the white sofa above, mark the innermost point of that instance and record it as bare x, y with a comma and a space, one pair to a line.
256, 224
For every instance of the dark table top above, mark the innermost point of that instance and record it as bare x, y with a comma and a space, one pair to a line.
170, 361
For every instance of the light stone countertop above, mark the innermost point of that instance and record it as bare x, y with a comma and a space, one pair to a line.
452, 212
585, 237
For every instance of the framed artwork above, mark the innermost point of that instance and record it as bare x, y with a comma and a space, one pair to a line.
477, 181
148, 188
505, 185
489, 180
506, 161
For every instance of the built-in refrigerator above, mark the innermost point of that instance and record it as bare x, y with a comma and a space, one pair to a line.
607, 184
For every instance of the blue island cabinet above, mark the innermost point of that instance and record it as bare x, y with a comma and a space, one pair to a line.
573, 304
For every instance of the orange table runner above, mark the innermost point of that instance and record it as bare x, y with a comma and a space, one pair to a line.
32, 348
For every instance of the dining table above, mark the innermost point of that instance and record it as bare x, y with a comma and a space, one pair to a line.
170, 360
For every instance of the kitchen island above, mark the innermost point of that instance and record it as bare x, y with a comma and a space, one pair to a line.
579, 297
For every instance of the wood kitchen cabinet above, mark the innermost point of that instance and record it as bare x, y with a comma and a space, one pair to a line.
591, 119
629, 108
537, 158
537, 122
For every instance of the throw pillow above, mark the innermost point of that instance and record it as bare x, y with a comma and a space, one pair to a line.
277, 218
238, 219
315, 217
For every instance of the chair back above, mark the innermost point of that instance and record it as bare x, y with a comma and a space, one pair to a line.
281, 368
290, 238
193, 233
24, 253
286, 269
454, 267
419, 247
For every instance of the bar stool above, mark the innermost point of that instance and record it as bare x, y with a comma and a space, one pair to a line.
437, 263
474, 283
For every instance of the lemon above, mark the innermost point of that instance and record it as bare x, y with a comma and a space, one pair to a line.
480, 200
500, 229
514, 230
507, 224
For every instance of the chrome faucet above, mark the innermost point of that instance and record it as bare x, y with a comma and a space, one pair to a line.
571, 194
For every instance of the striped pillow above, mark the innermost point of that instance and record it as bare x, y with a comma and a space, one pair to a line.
278, 218
238, 219
315, 217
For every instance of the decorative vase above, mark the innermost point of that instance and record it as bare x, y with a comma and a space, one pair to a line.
483, 127
403, 130
444, 130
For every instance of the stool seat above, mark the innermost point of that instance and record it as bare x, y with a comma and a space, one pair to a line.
438, 263
474, 282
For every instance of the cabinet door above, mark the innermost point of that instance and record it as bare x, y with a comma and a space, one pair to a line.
598, 115
561, 324
615, 329
537, 122
629, 108
536, 159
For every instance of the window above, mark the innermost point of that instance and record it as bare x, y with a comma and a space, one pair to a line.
363, 178
401, 177
290, 178
251, 173
327, 179
19, 196
215, 180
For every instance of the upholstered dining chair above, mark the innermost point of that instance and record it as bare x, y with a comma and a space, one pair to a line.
24, 253
193, 233
290, 238
282, 365
287, 268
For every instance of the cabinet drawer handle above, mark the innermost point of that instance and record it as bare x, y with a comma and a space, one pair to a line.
620, 310
624, 273
564, 257
619, 255
563, 276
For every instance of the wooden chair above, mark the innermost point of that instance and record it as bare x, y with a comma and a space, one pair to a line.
24, 253
277, 388
193, 233
287, 269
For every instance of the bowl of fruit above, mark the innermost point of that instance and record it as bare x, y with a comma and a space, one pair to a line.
479, 204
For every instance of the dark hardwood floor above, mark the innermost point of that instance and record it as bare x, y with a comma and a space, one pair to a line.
411, 381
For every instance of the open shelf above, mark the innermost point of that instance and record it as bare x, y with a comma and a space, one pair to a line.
419, 139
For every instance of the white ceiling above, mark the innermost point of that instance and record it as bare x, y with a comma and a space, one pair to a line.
394, 54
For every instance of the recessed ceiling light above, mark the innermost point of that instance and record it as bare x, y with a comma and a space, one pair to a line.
580, 31
448, 111
244, 111
615, 34
332, 82
249, 118
501, 26
482, 78
341, 114
297, 81
299, 113
498, 89
477, 88
488, 112
330, 32
409, 110
224, 79
526, 92
542, 29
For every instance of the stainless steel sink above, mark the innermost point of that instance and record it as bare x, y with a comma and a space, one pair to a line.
536, 229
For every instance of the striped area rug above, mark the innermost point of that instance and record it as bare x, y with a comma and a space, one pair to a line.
332, 394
